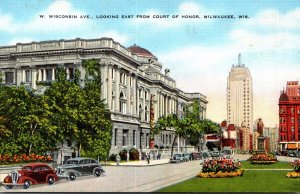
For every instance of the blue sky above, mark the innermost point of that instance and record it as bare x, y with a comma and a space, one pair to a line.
199, 52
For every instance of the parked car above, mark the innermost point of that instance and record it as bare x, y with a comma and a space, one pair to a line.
79, 167
186, 157
284, 153
291, 153
195, 156
33, 173
215, 154
205, 155
177, 158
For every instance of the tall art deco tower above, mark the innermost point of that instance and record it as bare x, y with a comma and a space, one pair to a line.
240, 96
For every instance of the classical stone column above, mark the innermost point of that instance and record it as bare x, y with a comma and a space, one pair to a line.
33, 77
117, 83
128, 103
135, 98
44, 75
103, 81
53, 74
19, 75
109, 86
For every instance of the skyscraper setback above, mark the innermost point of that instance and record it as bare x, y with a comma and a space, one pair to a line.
240, 96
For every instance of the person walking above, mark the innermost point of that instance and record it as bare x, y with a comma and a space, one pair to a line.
118, 158
148, 158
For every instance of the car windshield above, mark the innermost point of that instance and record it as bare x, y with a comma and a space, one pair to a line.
28, 168
72, 162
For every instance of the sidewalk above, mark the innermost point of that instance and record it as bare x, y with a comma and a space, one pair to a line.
142, 163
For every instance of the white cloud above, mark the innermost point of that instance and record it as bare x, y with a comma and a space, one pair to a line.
6, 23
187, 13
255, 42
37, 24
272, 18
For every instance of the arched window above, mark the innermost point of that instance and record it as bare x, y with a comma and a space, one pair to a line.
140, 112
146, 113
122, 103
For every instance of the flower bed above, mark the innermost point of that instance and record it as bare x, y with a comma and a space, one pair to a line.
219, 168
220, 174
23, 158
263, 159
296, 172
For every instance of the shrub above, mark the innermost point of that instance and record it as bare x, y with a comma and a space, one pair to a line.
123, 154
222, 164
133, 154
112, 157
296, 165
263, 159
23, 158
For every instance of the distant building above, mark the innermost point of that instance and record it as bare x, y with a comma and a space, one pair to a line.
289, 117
240, 96
228, 135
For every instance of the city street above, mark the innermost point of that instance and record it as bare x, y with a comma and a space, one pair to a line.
131, 177
123, 178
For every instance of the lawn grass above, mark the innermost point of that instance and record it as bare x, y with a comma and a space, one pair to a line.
277, 165
251, 181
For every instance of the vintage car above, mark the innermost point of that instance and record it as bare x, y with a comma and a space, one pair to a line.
177, 158
79, 167
33, 173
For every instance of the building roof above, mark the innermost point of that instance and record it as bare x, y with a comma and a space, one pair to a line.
283, 97
140, 51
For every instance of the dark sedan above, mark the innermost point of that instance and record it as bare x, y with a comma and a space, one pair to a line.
79, 167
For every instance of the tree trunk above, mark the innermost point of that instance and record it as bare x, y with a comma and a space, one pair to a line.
78, 149
173, 145
32, 132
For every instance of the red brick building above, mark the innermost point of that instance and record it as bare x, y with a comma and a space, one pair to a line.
289, 117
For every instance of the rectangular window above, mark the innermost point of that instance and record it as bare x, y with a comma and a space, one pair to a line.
147, 140
49, 74
125, 137
71, 73
292, 110
133, 138
116, 136
130, 81
293, 129
112, 74
9, 77
27, 75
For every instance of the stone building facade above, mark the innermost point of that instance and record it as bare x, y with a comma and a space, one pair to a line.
130, 77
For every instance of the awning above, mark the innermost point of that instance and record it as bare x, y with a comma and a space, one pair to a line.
292, 146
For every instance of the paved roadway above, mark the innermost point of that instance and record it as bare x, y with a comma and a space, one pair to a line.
123, 179
135, 177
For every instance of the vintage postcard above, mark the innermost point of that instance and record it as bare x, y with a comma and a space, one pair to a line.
149, 96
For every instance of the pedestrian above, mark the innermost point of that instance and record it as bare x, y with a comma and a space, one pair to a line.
158, 155
118, 158
140, 155
148, 157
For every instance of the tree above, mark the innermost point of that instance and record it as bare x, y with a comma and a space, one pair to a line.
79, 113
189, 125
25, 114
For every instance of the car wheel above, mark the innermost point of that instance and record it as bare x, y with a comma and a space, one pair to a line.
50, 180
8, 187
97, 172
72, 176
26, 184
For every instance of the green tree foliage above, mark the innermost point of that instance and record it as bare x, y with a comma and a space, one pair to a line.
189, 125
66, 112
25, 116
